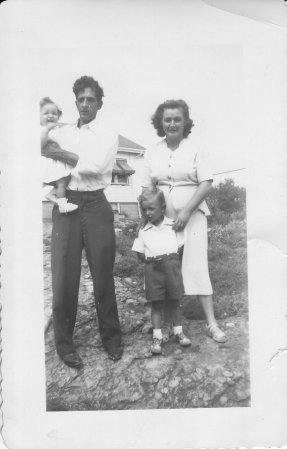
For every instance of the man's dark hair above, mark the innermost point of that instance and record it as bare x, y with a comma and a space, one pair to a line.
88, 81
172, 104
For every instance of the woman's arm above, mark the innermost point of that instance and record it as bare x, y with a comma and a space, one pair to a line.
148, 182
201, 193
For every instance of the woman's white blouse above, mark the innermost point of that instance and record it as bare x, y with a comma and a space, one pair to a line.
182, 167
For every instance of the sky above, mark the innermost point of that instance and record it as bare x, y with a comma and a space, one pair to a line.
143, 53
141, 61
207, 77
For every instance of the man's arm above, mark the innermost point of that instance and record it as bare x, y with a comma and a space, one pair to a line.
91, 163
53, 151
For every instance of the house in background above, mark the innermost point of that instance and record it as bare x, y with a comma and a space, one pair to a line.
126, 180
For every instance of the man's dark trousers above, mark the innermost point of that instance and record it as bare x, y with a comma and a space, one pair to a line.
91, 227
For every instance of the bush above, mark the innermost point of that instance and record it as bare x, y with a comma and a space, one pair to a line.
226, 202
127, 263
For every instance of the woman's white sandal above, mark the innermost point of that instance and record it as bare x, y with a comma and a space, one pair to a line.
213, 331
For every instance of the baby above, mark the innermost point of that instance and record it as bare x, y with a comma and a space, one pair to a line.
157, 245
56, 173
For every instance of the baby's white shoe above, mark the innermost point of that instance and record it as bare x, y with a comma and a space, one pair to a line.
65, 207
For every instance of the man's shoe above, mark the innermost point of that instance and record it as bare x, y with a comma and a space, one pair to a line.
73, 360
156, 347
115, 353
182, 339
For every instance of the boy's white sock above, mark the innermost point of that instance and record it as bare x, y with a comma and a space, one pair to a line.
177, 330
157, 333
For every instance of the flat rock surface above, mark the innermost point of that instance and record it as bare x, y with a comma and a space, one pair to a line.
206, 374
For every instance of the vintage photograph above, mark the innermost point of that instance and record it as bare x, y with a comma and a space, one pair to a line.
144, 231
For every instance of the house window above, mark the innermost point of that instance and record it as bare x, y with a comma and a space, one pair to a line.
121, 172
120, 179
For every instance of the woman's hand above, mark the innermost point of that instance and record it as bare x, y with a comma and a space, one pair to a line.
181, 220
192, 205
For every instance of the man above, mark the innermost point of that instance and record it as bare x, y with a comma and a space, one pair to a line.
90, 227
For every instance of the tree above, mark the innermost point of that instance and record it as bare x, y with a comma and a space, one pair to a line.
225, 199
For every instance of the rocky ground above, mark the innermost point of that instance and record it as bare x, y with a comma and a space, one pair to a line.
206, 374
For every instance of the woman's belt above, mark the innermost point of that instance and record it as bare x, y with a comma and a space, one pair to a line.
171, 185
177, 184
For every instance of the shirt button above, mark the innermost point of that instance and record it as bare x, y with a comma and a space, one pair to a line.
169, 177
169, 165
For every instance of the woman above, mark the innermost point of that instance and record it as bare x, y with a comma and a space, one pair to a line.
179, 171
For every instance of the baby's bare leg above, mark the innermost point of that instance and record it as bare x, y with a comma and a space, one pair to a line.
58, 196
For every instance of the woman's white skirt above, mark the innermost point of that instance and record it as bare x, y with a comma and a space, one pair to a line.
195, 271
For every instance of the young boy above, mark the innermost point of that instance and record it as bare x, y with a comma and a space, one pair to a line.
157, 245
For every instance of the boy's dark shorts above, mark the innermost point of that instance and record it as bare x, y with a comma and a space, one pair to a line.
163, 279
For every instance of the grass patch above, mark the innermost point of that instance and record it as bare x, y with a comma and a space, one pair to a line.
228, 268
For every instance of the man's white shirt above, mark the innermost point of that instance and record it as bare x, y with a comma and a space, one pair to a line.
96, 148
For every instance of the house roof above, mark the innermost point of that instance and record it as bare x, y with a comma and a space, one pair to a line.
128, 145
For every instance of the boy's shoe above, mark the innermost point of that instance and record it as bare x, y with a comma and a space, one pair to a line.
182, 339
156, 346
65, 207
213, 331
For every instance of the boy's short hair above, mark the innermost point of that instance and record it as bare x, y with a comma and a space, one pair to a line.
47, 100
152, 195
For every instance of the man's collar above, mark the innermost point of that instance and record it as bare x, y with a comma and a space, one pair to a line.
166, 222
91, 125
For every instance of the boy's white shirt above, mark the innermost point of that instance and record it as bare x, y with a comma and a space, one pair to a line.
154, 240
